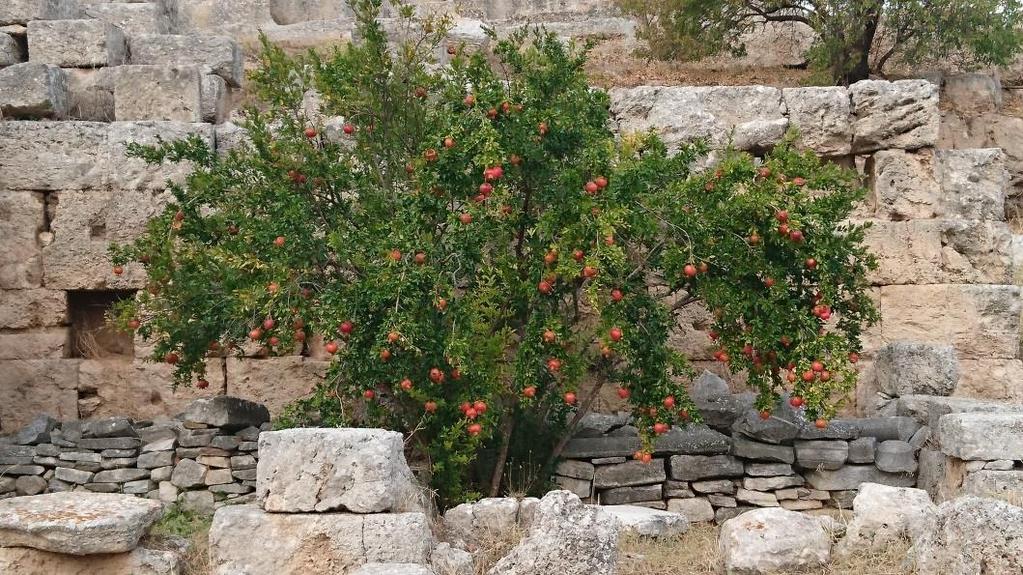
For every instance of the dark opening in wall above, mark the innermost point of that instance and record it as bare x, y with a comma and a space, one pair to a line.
91, 336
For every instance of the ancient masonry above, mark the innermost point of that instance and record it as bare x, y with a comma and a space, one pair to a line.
80, 79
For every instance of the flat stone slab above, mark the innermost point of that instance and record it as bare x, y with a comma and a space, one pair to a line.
647, 522
226, 412
982, 436
76, 523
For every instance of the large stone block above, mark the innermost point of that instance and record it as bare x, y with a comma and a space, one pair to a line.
33, 91
133, 18
31, 387
218, 55
980, 321
238, 18
39, 343
158, 93
24, 308
976, 252
972, 535
774, 541
821, 454
295, 11
904, 185
356, 470
696, 467
313, 543
76, 43
905, 368
907, 252
998, 379
629, 473
850, 477
138, 389
982, 436
757, 451
24, 11
973, 183
275, 382
226, 412
752, 116
997, 484
131, 173
22, 218
140, 561
53, 155
902, 114
822, 116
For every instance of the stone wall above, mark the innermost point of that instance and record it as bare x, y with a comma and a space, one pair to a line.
80, 79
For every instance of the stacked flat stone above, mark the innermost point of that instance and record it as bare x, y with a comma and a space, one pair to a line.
204, 460
738, 461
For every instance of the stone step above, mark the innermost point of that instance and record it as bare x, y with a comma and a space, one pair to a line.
76, 43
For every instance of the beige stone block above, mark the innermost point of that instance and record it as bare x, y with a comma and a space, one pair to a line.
33, 91
140, 561
690, 334
973, 183
76, 43
169, 93
84, 224
216, 99
980, 321
1000, 379
139, 389
904, 185
274, 381
907, 252
976, 252
31, 387
53, 155
134, 17
131, 173
92, 93
822, 116
218, 55
40, 343
22, 217
24, 11
24, 308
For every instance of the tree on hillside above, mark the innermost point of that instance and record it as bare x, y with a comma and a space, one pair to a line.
480, 255
853, 38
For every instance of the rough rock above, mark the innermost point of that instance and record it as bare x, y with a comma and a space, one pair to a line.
158, 93
357, 470
690, 440
992, 483
821, 454
768, 469
30, 485
773, 540
902, 114
696, 467
862, 450
757, 498
24, 11
696, 509
394, 569
36, 431
76, 523
566, 537
972, 535
982, 436
218, 55
133, 18
905, 368
140, 561
896, 456
850, 477
772, 483
301, 543
904, 185
632, 494
715, 402
648, 522
33, 91
821, 114
215, 99
448, 560
757, 451
226, 412
783, 425
76, 43
576, 469
883, 515
629, 473
973, 183
885, 428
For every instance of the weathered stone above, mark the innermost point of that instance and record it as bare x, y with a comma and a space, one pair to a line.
88, 456
76, 43
896, 456
629, 473
36, 431
690, 440
1000, 465
718, 500
134, 18
109, 427
76, 523
647, 522
885, 428
91, 93
109, 443
218, 55
904, 368
904, 185
21, 469
982, 436
577, 469
201, 502
821, 454
25, 308
218, 477
227, 442
140, 561
298, 543
16, 454
851, 476
581, 487
157, 93
32, 91
714, 486
188, 473
226, 412
862, 450
883, 515
902, 114
715, 402
448, 560
633, 494
358, 470
781, 427
566, 537
757, 498
11, 52
30, 485
195, 439
275, 382
120, 475
215, 99
747, 449
771, 483
973, 183
821, 114
139, 487
72, 475
844, 429
214, 460
773, 540
161, 473
243, 462
695, 509
25, 11
801, 504
990, 483
48, 343
972, 535
768, 469
695, 467
393, 569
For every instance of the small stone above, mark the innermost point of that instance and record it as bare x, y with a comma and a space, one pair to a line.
722, 514
896, 457
747, 449
196, 438
884, 515
30, 485
154, 459
905, 368
139, 487
214, 461
225, 442
166, 444
850, 477
188, 473
448, 560
46, 449
201, 502
110, 443
843, 499
771, 483
243, 462
161, 473
168, 492
714, 486
621, 495
608, 460
629, 473
696, 467
118, 453
252, 446
118, 462
575, 468
768, 469
757, 498
88, 456
226, 412
248, 434
801, 504
244, 474
120, 475
821, 454
582, 488
721, 500
218, 476
72, 475
37, 431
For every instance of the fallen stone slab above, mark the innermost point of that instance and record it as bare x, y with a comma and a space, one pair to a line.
773, 540
301, 543
140, 561
982, 436
647, 522
76, 523
972, 535
356, 470
883, 515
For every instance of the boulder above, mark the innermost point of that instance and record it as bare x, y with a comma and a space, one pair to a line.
883, 515
896, 456
140, 561
648, 522
902, 114
969, 536
773, 540
76, 523
566, 537
982, 436
301, 543
905, 368
226, 412
33, 91
356, 470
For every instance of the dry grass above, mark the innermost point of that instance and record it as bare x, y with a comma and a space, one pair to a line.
696, 553
187, 534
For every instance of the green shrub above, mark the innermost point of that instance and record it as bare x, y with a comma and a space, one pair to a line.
482, 255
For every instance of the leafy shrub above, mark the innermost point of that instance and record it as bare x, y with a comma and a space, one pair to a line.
482, 256
853, 38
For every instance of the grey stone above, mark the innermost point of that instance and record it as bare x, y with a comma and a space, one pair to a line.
822, 116
214, 460
72, 475
167, 444
225, 442
885, 428
393, 569
119, 453
358, 470
218, 55
239, 462
21, 470
714, 486
247, 446
862, 450
902, 114
1000, 465
836, 429
214, 99
448, 560
574, 468
635, 494
781, 427
24, 11
756, 498
201, 502
196, 437
109, 427
972, 535
843, 499
30, 485
117, 462
973, 183
896, 457
982, 436
905, 368
244, 474
647, 522
187, 473
231, 488
768, 469
76, 523
33, 91
158, 93
87, 456
771, 483
76, 43
226, 412
133, 18
16, 454
883, 515
11, 52
629, 473
722, 514
691, 440
800, 504
218, 476
46, 461
990, 483
695, 467
851, 476
157, 432
161, 473
91, 93
37, 431
821, 454
748, 449
250, 433
718, 407
58, 486
44, 449
120, 475
774, 540
139, 487
718, 500
88, 466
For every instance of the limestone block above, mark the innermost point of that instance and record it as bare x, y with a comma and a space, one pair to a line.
980, 321
76, 43
52, 155
972, 94
301, 543
647, 522
92, 93
904, 185
295, 11
39, 343
24, 11
140, 561
139, 389
23, 218
822, 116
158, 93
972, 535
774, 540
226, 412
275, 382
973, 183
133, 18
632, 494
684, 114
629, 473
982, 436
31, 387
902, 114
894, 456
992, 483
131, 173
25, 308
11, 52
576, 469
239, 18
862, 450
33, 91
907, 252
218, 55
216, 99
905, 368
850, 477
696, 467
996, 379
1001, 131
821, 454
976, 252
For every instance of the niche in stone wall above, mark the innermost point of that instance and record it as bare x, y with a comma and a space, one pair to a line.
92, 337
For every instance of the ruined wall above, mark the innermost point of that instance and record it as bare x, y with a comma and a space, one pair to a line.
79, 79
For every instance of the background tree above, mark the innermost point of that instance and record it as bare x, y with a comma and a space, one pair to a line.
853, 38
481, 255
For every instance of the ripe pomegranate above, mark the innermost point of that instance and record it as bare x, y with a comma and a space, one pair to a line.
669, 402
689, 270
616, 295
369, 394
601, 182
554, 364
765, 414
330, 347
202, 384
796, 401
615, 333
436, 375
465, 218
570, 398
346, 328
385, 355
171, 357
549, 336
430, 406
550, 257
279, 241
475, 429
393, 336
118, 270
529, 391
310, 132
348, 129
256, 334
661, 428
545, 287
623, 393
589, 271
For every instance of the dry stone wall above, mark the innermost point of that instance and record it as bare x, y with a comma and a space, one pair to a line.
78, 80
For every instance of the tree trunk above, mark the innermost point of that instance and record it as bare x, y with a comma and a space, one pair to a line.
507, 428
860, 50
